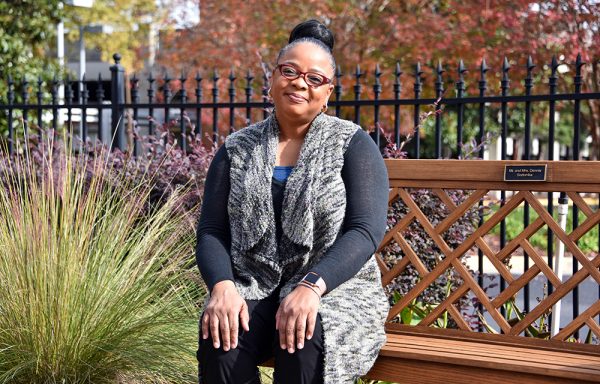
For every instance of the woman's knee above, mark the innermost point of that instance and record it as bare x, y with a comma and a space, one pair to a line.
216, 366
238, 365
303, 366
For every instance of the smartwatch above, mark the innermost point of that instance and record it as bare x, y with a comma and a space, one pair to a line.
314, 280
311, 278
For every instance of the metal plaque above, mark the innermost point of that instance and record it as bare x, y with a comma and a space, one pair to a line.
525, 172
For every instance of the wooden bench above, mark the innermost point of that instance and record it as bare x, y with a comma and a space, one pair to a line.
424, 354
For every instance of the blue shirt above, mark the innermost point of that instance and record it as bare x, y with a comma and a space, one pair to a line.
281, 173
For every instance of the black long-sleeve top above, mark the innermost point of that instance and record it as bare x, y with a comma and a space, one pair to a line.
366, 181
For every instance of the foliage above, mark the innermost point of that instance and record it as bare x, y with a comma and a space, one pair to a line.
514, 315
173, 167
28, 40
367, 32
537, 330
416, 311
26, 27
161, 163
133, 22
366, 381
384, 32
95, 288
514, 226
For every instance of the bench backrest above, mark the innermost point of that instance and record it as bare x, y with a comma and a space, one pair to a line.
484, 182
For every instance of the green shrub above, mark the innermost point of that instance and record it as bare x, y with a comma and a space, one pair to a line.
94, 287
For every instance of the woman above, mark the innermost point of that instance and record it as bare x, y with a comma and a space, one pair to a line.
294, 207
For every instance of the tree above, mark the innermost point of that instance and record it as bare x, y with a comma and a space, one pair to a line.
26, 28
368, 32
28, 36
132, 23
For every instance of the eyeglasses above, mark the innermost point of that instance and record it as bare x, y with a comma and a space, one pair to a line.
313, 79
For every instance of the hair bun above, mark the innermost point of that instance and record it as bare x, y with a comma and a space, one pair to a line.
315, 30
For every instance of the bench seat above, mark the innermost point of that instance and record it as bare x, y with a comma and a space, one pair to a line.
429, 355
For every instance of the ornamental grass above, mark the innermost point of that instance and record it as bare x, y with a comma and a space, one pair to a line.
94, 286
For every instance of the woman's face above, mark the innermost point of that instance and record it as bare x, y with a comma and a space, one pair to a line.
295, 99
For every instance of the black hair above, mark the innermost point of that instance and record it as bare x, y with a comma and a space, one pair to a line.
314, 32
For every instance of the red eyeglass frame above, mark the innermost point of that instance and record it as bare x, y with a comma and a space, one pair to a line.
326, 80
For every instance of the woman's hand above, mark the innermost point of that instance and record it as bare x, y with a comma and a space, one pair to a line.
296, 317
225, 309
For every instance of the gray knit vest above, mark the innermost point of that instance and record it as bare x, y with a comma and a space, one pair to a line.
314, 203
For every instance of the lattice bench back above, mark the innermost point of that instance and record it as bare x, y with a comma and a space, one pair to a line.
483, 180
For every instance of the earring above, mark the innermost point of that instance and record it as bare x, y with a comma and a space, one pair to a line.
269, 93
324, 109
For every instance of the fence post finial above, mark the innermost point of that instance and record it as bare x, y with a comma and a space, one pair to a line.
25, 90
530, 65
483, 69
231, 89
135, 96
553, 79
439, 68
461, 67
439, 91
397, 84
377, 84
118, 100
249, 78
215, 89
357, 91
397, 73
578, 64
376, 94
505, 68
39, 93
460, 84
68, 90
248, 89
150, 92
529, 78
182, 76
198, 93
554, 67
577, 82
54, 90
357, 74
100, 92
418, 73
439, 82
338, 89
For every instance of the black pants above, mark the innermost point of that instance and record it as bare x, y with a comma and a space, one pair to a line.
239, 365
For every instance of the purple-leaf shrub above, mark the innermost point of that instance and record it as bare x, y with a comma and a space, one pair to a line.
170, 167
161, 162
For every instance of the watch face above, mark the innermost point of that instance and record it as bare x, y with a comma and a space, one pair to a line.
311, 278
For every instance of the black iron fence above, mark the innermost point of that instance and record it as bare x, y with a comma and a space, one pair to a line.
102, 106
